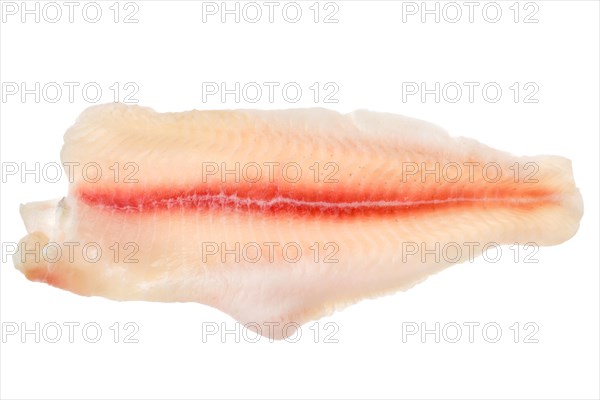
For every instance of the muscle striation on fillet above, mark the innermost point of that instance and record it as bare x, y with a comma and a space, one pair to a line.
281, 217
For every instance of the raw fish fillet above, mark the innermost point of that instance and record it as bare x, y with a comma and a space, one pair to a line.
199, 206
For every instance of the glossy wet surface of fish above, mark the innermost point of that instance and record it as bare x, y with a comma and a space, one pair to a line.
281, 216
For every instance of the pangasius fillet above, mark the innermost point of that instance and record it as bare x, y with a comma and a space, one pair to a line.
280, 217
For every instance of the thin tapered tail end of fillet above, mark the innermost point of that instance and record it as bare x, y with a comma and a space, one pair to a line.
566, 210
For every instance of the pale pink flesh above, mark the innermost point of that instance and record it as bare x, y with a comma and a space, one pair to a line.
360, 219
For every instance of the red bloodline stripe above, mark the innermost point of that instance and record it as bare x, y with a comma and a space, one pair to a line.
334, 201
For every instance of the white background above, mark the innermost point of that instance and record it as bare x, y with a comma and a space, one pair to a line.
369, 53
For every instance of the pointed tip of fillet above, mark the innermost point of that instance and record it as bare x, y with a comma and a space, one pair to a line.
39, 218
39, 215
29, 258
